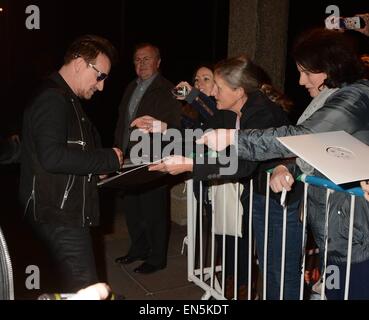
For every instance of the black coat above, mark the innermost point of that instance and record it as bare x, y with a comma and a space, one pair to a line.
157, 102
60, 158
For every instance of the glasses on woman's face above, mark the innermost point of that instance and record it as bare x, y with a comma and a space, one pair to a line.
101, 76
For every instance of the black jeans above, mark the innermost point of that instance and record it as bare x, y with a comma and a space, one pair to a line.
71, 251
359, 281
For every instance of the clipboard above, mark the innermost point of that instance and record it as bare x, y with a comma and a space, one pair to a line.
131, 174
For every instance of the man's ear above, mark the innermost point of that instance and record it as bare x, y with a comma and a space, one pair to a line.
78, 64
241, 92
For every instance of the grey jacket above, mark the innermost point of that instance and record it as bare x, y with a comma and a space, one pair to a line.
346, 109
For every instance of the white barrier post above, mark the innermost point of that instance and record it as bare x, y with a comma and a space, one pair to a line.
249, 276
266, 233
349, 247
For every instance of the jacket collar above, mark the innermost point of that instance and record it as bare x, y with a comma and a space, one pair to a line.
251, 99
59, 80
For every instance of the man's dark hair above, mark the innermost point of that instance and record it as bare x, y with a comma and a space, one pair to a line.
89, 47
331, 52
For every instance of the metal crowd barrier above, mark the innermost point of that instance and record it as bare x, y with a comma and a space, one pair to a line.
6, 271
206, 272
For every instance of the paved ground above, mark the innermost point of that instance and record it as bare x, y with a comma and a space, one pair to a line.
111, 241
167, 284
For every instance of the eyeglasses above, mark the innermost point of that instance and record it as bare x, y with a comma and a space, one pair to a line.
144, 60
101, 76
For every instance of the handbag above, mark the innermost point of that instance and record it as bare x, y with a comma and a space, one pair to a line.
227, 207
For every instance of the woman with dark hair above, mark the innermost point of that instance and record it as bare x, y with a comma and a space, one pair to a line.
332, 72
200, 104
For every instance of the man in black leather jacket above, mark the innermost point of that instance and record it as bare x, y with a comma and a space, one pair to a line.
61, 160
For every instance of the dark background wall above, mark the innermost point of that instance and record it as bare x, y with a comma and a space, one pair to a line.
187, 33
309, 15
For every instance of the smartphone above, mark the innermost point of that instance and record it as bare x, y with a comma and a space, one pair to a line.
351, 23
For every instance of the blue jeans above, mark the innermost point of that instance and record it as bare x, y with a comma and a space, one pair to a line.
293, 246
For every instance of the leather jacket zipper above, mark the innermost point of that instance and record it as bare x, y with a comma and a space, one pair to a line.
31, 198
68, 187
80, 142
83, 144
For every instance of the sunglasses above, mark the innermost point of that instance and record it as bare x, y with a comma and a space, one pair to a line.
101, 76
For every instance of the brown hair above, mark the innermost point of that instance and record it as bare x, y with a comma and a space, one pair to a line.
89, 47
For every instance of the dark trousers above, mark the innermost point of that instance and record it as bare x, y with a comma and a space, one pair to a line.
359, 282
293, 246
146, 217
71, 250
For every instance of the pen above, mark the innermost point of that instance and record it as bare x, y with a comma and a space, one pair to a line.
284, 194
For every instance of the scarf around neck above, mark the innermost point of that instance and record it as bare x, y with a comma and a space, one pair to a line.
317, 103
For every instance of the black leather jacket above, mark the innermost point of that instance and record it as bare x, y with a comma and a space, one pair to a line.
60, 158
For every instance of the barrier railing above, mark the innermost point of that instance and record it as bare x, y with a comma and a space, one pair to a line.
6, 271
206, 268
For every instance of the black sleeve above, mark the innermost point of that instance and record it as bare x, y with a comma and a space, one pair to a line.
204, 104
258, 117
225, 165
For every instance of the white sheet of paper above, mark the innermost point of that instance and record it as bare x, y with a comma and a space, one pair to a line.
338, 155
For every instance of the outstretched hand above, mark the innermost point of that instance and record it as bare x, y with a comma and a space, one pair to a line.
149, 124
218, 139
97, 291
173, 165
